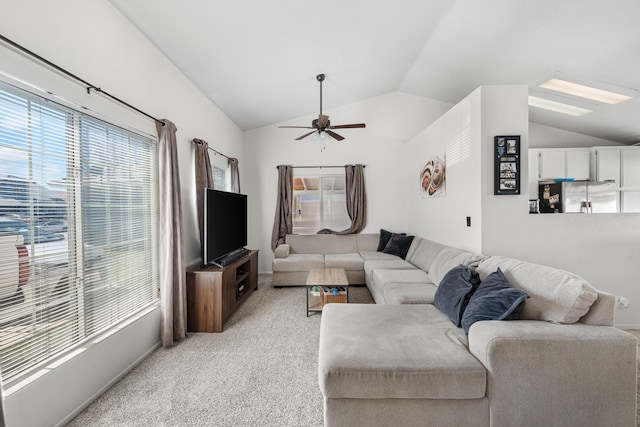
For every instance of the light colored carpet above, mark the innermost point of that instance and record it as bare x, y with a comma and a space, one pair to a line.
262, 370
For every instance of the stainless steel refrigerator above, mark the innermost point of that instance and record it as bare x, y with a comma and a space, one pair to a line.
578, 197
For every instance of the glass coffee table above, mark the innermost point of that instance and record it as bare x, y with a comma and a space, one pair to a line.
324, 286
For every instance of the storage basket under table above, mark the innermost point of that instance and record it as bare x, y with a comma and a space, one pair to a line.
324, 286
328, 296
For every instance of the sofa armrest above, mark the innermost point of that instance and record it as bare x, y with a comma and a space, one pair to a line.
282, 251
541, 373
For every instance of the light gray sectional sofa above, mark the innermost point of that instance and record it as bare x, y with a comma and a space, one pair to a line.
403, 362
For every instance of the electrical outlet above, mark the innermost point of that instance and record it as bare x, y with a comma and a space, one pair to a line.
622, 302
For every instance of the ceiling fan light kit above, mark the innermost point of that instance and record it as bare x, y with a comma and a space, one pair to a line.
322, 125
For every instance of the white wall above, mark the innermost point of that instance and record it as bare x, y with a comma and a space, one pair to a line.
443, 219
504, 112
94, 41
391, 120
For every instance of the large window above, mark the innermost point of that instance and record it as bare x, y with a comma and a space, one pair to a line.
81, 195
319, 201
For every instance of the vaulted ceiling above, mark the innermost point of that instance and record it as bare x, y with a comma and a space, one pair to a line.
258, 60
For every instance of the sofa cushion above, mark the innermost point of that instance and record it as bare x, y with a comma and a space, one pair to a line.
398, 245
409, 293
346, 261
367, 241
454, 292
392, 264
495, 299
424, 253
322, 243
555, 295
414, 245
384, 238
281, 251
379, 352
372, 255
298, 262
383, 277
449, 258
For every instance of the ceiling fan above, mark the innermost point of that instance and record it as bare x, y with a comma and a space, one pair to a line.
322, 123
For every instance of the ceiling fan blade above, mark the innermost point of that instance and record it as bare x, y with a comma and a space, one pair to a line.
305, 135
296, 127
351, 126
335, 135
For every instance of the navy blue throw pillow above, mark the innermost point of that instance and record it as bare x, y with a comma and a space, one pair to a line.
495, 299
384, 238
398, 245
455, 291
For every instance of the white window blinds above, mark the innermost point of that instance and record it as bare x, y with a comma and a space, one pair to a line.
82, 194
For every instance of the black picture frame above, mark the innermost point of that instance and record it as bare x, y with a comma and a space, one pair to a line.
506, 164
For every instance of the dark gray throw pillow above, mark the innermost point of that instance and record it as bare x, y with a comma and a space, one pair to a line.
384, 238
455, 291
398, 245
495, 299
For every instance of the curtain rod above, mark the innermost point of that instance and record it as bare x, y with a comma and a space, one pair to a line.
88, 85
201, 141
318, 167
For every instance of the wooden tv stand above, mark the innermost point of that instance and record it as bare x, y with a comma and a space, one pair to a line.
215, 293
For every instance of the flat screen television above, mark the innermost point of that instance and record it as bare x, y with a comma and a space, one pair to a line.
225, 226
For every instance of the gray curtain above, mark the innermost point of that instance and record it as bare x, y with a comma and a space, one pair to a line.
235, 175
283, 222
204, 179
356, 200
173, 294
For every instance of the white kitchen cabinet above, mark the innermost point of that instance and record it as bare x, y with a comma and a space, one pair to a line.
577, 164
551, 164
606, 164
630, 201
563, 163
630, 162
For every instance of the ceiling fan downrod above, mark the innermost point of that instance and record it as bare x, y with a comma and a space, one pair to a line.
320, 78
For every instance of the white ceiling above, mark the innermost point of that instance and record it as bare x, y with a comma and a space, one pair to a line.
258, 60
